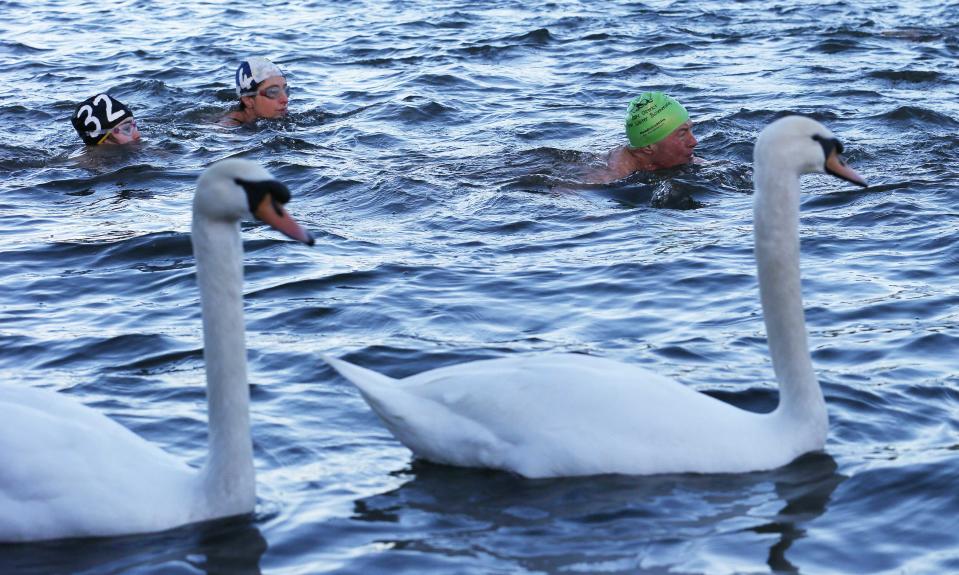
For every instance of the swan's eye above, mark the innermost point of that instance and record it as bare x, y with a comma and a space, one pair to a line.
255, 191
828, 145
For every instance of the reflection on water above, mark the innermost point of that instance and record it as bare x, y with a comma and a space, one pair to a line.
806, 487
636, 523
231, 546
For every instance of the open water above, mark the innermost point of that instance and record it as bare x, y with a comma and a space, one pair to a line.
434, 148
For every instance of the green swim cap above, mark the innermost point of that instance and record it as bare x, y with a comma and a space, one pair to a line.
652, 116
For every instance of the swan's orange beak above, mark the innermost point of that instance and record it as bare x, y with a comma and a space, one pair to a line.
272, 212
837, 167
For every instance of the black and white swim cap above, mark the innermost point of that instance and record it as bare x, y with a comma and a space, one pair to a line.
96, 116
252, 72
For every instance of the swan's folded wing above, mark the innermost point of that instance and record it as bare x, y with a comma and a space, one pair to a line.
59, 455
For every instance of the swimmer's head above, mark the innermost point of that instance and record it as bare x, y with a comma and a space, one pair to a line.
251, 73
652, 116
97, 116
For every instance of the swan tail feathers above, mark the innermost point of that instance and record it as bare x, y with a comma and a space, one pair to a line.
397, 408
381, 392
367, 380
427, 427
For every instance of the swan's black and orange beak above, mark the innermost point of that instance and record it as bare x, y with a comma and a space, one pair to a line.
273, 213
266, 199
835, 165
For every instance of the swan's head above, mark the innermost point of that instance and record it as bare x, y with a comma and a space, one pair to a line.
804, 146
233, 190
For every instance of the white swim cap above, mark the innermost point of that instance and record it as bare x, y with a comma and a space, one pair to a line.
251, 72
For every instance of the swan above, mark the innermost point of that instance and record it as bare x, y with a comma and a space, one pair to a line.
69, 471
559, 415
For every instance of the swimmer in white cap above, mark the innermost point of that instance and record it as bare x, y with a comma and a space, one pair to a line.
262, 91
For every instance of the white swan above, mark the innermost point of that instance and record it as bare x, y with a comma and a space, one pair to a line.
66, 470
566, 414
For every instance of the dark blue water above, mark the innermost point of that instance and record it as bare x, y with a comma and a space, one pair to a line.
435, 150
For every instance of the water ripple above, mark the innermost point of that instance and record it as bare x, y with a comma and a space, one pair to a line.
438, 152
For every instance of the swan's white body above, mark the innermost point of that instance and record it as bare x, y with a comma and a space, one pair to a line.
66, 470
566, 414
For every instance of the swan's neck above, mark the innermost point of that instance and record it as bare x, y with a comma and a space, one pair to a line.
776, 211
228, 479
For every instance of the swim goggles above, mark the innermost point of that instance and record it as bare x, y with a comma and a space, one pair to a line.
125, 128
273, 92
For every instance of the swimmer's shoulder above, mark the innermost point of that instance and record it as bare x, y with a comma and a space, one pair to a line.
232, 119
617, 165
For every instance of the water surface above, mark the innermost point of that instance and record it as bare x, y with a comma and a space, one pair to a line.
434, 148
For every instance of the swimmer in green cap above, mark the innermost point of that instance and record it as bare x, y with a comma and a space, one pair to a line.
660, 136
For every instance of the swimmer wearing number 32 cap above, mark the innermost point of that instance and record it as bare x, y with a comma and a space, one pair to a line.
102, 119
660, 136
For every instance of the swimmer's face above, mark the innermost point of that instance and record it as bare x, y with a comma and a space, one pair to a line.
271, 98
126, 132
677, 148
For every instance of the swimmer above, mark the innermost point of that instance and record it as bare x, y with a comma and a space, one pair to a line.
102, 119
262, 91
660, 136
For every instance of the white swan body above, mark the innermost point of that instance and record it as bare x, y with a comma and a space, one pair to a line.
567, 414
69, 471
